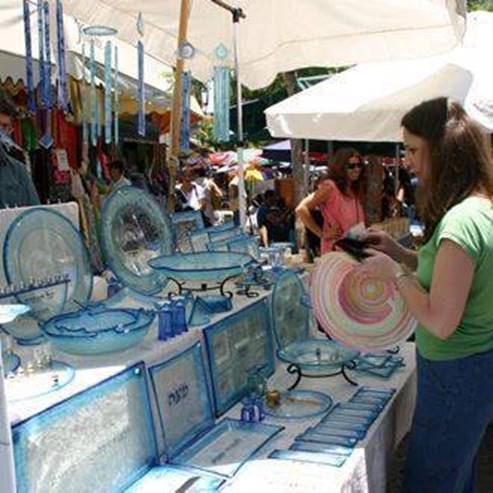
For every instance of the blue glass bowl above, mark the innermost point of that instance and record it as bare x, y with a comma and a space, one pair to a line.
202, 266
98, 330
316, 355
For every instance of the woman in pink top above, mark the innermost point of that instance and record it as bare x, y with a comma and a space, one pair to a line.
339, 199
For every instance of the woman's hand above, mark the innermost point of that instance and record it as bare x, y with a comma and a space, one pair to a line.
380, 266
381, 241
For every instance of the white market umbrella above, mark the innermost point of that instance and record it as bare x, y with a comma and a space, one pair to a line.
367, 102
282, 35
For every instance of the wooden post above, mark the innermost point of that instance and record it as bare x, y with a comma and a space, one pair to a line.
177, 104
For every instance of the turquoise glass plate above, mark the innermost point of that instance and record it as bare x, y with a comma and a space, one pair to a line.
134, 230
299, 404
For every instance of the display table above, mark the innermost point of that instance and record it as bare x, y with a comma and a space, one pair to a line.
366, 468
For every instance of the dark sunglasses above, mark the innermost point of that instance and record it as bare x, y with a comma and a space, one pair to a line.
352, 166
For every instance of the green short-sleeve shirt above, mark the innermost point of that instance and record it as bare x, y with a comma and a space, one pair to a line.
469, 224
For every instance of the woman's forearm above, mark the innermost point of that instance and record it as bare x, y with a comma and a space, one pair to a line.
405, 256
307, 219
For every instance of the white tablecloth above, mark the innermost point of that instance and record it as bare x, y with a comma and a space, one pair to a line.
364, 471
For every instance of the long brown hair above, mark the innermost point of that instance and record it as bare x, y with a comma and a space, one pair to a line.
460, 163
338, 172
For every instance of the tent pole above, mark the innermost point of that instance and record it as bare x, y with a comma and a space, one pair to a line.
177, 103
397, 168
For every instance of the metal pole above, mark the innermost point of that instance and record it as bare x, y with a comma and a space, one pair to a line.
239, 106
397, 168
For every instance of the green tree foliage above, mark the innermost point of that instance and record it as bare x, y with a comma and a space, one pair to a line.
480, 5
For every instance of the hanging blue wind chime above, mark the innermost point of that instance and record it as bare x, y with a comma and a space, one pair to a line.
221, 96
62, 68
31, 101
141, 88
116, 100
185, 113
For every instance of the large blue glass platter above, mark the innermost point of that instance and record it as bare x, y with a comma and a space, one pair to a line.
202, 266
101, 439
185, 223
42, 243
98, 330
236, 345
135, 230
290, 315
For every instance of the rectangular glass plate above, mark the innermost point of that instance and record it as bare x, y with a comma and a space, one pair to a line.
182, 398
236, 345
334, 422
171, 478
360, 408
225, 448
311, 435
373, 360
102, 437
343, 431
368, 402
376, 390
384, 372
316, 457
321, 447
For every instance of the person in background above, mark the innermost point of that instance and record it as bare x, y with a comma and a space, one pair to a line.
234, 196
339, 199
447, 285
118, 179
190, 195
212, 193
16, 185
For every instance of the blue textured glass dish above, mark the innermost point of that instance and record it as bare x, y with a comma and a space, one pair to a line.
316, 354
42, 243
199, 240
223, 245
101, 439
10, 362
202, 266
235, 345
183, 224
224, 234
298, 404
173, 479
92, 331
289, 315
225, 448
135, 229
40, 383
249, 245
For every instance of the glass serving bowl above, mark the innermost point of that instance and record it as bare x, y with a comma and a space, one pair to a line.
98, 330
207, 267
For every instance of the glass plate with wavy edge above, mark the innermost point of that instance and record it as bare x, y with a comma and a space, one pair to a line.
316, 354
172, 478
202, 266
289, 315
10, 362
101, 331
43, 243
297, 404
134, 230
40, 382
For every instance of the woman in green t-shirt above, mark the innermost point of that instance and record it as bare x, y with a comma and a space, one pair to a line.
448, 286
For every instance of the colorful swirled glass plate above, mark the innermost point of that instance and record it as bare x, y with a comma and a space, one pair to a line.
355, 309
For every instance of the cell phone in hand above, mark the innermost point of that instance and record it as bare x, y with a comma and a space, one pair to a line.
355, 248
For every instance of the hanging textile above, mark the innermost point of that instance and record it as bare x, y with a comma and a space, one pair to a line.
94, 100
185, 113
41, 52
117, 99
31, 102
108, 82
221, 103
141, 96
85, 103
62, 69
47, 61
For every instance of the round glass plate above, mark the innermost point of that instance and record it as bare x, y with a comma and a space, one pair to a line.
43, 243
316, 354
41, 382
298, 404
10, 363
289, 314
202, 266
135, 230
357, 310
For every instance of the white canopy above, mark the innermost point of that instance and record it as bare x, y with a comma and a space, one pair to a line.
367, 102
283, 35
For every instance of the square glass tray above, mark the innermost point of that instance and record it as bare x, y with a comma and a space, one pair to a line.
225, 448
236, 345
